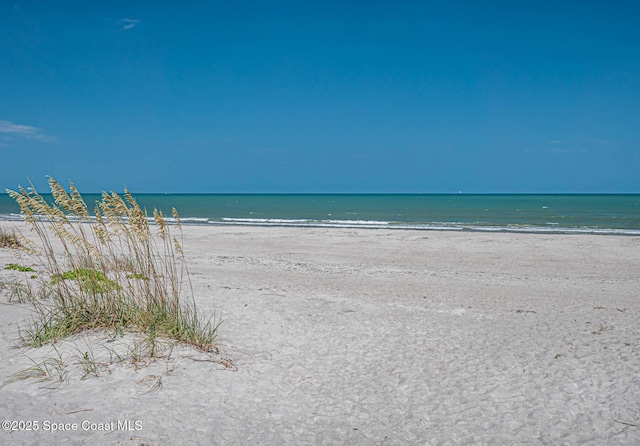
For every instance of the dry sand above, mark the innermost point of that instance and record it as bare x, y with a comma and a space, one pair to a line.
367, 337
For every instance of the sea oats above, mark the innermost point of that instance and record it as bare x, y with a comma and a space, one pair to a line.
28, 245
22, 198
160, 222
178, 247
59, 194
119, 205
109, 273
175, 214
100, 229
77, 203
137, 217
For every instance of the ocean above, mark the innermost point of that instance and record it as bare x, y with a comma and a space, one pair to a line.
543, 213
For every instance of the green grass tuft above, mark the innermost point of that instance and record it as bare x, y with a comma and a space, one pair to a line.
16, 267
89, 280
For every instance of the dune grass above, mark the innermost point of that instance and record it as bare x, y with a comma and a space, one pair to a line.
9, 238
108, 270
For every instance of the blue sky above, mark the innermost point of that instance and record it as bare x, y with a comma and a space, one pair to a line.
321, 96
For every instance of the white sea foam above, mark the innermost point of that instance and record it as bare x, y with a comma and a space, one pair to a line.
549, 228
553, 228
357, 222
264, 220
185, 220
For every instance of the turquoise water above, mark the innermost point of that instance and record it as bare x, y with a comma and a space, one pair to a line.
602, 214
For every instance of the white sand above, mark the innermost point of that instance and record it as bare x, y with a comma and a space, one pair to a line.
366, 337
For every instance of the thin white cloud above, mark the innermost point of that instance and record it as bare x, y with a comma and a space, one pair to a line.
567, 151
10, 131
129, 23
604, 142
10, 127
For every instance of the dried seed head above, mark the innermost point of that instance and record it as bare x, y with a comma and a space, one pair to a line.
77, 203
59, 194
177, 246
27, 245
160, 221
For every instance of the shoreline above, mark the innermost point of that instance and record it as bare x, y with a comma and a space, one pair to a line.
529, 213
394, 226
373, 337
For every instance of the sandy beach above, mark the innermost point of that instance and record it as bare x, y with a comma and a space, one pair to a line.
363, 337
